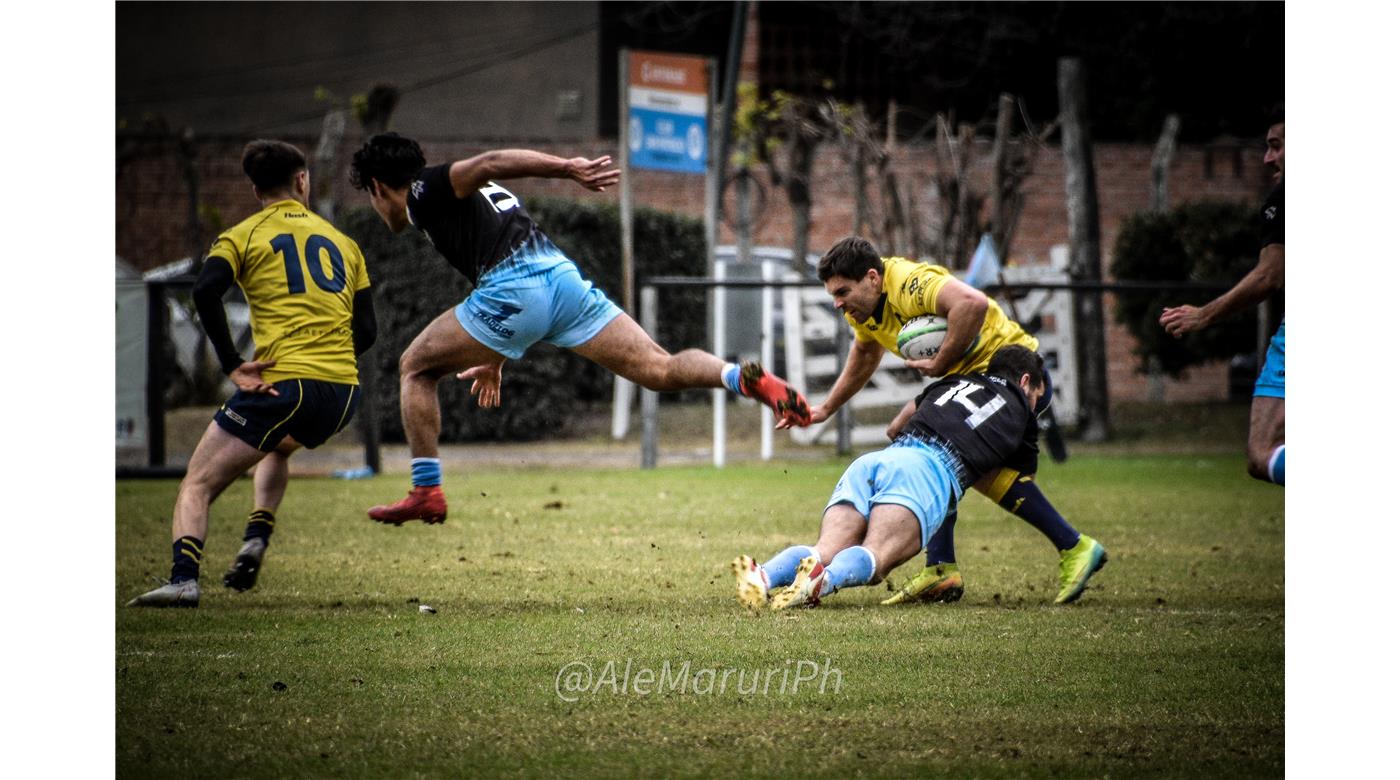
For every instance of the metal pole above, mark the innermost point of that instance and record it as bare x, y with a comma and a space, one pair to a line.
843, 415
765, 417
155, 373
622, 389
649, 397
624, 154
719, 396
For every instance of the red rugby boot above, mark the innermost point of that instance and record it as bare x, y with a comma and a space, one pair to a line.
426, 503
762, 386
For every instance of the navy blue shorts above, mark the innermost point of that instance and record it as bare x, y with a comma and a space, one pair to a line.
308, 410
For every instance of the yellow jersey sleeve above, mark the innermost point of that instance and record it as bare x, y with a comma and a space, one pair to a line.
226, 247
361, 267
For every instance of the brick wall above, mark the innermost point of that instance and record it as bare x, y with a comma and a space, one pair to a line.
153, 208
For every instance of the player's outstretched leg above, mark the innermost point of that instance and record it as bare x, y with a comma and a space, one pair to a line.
625, 349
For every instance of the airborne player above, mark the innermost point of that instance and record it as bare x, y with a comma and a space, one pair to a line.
526, 291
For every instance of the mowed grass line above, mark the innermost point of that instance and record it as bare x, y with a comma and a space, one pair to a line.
1172, 664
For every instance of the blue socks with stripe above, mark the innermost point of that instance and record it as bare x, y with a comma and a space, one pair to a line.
188, 552
1276, 466
1025, 500
782, 568
427, 472
852, 566
940, 545
730, 375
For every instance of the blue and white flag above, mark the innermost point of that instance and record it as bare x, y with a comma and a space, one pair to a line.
985, 269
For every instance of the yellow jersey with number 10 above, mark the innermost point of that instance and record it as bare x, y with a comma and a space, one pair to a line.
300, 276
910, 289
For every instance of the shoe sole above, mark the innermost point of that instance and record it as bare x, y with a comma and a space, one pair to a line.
165, 605
941, 595
430, 520
793, 595
1101, 558
750, 594
245, 567
931, 596
749, 376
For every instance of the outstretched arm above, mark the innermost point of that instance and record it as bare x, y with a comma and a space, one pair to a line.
473, 173
1254, 288
861, 363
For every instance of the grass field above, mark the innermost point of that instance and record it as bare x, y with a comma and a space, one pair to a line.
1171, 665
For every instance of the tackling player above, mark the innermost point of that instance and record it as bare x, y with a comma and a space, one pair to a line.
312, 315
890, 503
1265, 447
878, 295
526, 290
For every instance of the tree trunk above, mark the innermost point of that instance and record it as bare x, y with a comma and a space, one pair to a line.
1162, 161
1001, 204
801, 154
379, 107
1085, 264
327, 163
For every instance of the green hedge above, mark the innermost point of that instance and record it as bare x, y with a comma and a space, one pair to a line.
1196, 242
547, 388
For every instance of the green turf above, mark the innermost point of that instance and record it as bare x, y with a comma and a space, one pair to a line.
1171, 665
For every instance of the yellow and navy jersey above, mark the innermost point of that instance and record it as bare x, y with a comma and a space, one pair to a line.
300, 276
910, 289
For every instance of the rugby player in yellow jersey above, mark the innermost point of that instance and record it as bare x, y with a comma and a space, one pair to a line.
878, 295
312, 315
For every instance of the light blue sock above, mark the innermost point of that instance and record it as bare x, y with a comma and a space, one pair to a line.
782, 568
427, 472
730, 375
852, 566
1276, 466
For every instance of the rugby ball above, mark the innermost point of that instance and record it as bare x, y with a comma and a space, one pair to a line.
921, 337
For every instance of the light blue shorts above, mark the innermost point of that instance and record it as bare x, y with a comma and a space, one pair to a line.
1270, 384
537, 294
914, 475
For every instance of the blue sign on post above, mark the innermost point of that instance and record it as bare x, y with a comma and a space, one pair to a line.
667, 98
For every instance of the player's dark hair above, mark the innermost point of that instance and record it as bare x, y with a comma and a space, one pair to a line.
1012, 361
1276, 115
272, 164
389, 159
850, 258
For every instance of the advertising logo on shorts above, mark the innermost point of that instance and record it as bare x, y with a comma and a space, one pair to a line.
667, 98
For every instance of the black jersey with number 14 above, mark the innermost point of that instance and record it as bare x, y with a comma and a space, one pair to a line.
474, 233
983, 420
